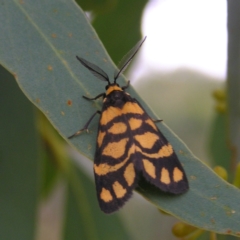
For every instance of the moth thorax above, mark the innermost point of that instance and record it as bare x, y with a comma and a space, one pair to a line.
113, 88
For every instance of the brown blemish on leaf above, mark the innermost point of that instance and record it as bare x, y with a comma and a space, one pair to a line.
49, 67
212, 221
54, 35
181, 152
69, 102
193, 177
229, 231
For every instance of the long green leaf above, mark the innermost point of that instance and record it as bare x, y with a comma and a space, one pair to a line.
19, 162
39, 43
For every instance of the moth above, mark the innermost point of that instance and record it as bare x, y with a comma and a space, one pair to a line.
129, 145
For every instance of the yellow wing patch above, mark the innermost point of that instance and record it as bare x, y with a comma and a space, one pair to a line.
166, 151
177, 174
133, 108
147, 140
165, 177
118, 128
149, 168
100, 138
105, 195
119, 190
129, 174
135, 123
151, 123
112, 112
109, 114
115, 149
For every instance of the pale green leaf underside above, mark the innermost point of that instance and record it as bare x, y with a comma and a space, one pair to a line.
38, 44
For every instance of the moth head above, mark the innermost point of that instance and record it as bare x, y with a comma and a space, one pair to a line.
100, 74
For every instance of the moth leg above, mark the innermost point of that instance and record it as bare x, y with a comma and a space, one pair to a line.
157, 120
125, 87
86, 125
98, 96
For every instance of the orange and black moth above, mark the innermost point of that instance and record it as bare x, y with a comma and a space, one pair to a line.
129, 146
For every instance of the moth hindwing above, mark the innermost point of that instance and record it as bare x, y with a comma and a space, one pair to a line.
129, 146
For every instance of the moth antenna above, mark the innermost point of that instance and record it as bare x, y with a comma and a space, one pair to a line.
128, 58
94, 69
